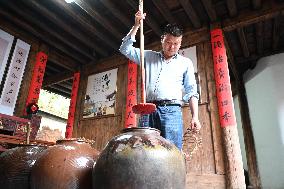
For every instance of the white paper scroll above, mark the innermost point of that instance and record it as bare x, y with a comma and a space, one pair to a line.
101, 94
6, 41
14, 78
191, 54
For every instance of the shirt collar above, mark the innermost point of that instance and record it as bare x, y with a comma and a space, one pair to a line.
162, 55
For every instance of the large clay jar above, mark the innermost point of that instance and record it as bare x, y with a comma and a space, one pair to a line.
139, 158
67, 165
16, 165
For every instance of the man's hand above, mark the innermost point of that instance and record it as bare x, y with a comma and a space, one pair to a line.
195, 125
138, 17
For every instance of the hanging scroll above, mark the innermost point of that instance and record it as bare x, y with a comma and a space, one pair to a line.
223, 85
191, 54
6, 41
131, 98
14, 78
101, 94
72, 107
37, 78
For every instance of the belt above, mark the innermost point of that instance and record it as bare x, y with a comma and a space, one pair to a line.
165, 102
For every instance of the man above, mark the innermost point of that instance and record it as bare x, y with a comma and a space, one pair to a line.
167, 73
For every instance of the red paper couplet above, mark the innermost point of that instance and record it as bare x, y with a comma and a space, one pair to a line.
37, 78
131, 98
223, 85
72, 107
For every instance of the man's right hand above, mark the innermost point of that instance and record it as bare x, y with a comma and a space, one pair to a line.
138, 17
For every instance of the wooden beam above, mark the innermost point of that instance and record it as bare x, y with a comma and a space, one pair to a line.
62, 60
259, 37
84, 23
165, 11
71, 30
149, 18
243, 42
57, 79
269, 10
256, 4
232, 7
56, 91
275, 33
117, 13
39, 34
60, 36
191, 13
210, 10
97, 16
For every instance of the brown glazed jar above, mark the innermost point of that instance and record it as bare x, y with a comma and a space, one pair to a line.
67, 165
139, 158
16, 165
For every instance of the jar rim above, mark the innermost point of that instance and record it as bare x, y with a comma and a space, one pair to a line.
129, 129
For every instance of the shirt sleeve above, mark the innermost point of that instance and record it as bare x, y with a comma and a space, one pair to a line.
189, 83
128, 50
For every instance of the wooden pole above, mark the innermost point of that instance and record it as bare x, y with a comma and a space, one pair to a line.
234, 164
143, 95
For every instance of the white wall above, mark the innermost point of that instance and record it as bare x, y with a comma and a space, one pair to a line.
265, 92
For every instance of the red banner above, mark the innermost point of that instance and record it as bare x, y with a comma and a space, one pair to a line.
223, 85
72, 107
131, 96
37, 78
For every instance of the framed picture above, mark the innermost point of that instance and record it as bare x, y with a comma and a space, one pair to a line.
100, 94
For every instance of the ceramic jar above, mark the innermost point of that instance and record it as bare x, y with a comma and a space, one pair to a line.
139, 158
67, 165
16, 165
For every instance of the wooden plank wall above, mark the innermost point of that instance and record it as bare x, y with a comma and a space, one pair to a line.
206, 168
102, 129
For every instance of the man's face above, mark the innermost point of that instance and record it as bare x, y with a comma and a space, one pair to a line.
170, 45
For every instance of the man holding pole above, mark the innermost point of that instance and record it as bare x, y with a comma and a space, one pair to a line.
167, 73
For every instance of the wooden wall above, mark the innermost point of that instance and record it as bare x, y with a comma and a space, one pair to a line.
206, 168
102, 129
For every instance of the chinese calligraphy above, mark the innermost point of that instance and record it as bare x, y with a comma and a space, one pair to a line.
223, 86
130, 118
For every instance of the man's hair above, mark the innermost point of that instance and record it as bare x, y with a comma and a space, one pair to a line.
173, 29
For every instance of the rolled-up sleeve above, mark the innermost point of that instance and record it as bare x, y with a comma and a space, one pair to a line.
128, 50
189, 83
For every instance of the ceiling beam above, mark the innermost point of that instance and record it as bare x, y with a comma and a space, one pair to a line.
259, 37
35, 21
232, 7
101, 20
149, 18
61, 60
210, 10
116, 12
275, 33
164, 10
269, 10
84, 23
191, 13
71, 30
243, 42
54, 79
256, 4
40, 34
56, 91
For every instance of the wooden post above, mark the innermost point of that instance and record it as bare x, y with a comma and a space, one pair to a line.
72, 107
234, 164
131, 95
